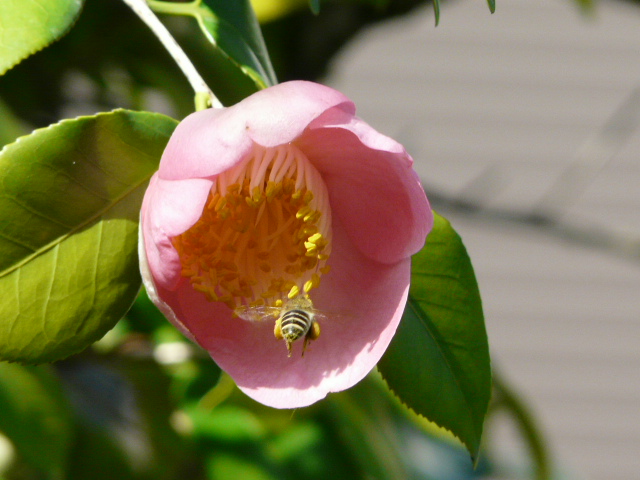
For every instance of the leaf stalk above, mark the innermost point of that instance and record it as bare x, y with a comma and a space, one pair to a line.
507, 399
204, 96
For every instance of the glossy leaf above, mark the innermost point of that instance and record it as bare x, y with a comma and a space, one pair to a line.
232, 30
236, 31
70, 197
27, 26
438, 361
36, 417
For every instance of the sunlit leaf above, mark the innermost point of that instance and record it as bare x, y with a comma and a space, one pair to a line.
270, 10
27, 26
36, 417
233, 32
438, 361
238, 33
70, 197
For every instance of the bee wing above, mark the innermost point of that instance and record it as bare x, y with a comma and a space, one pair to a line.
323, 316
257, 314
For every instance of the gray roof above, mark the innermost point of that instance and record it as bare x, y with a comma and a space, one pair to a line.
532, 110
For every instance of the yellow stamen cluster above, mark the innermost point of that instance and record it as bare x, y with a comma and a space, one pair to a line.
264, 234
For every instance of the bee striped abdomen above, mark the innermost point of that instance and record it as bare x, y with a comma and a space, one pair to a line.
297, 320
295, 324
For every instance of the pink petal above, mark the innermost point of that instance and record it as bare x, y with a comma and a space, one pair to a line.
156, 294
177, 206
373, 188
209, 142
279, 114
369, 296
380, 217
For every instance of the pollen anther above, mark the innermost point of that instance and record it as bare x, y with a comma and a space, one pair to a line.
264, 235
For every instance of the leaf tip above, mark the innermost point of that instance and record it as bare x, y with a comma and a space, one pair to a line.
444, 432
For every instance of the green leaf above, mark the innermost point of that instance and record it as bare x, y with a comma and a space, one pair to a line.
436, 10
236, 31
36, 417
27, 26
232, 29
70, 197
314, 5
228, 424
438, 362
362, 418
230, 466
11, 126
123, 406
492, 5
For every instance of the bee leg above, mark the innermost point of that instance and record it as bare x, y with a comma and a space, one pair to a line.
312, 334
314, 331
277, 330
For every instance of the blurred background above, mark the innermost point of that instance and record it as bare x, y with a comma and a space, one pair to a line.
524, 129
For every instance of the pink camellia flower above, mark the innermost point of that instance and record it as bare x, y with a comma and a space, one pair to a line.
286, 195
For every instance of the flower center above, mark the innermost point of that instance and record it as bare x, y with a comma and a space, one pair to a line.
265, 233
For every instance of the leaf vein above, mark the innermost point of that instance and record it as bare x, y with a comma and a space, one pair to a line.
420, 314
17, 242
47, 301
38, 214
76, 228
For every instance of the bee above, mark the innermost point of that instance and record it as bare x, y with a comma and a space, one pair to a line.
296, 319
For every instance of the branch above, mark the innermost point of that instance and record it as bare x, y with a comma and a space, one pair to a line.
204, 96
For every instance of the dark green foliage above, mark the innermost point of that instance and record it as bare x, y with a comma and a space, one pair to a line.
438, 361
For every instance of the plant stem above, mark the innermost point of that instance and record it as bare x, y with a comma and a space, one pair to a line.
199, 86
172, 8
508, 400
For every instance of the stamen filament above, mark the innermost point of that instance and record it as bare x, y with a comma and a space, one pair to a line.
264, 234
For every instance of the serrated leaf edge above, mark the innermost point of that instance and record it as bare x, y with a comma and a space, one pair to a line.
408, 407
61, 34
204, 11
90, 220
411, 304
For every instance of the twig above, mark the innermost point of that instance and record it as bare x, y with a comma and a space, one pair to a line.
198, 84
